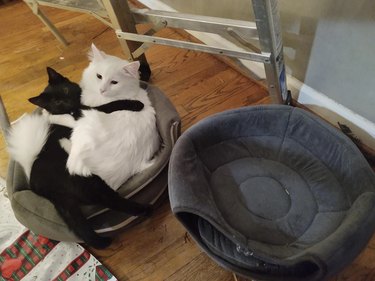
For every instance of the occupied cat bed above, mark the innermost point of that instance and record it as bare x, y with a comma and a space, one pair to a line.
273, 192
149, 186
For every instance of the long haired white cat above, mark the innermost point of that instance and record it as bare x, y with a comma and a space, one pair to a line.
113, 146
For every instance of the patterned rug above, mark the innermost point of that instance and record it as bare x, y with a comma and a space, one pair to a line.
27, 256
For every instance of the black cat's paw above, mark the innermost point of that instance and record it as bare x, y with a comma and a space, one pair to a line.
138, 106
101, 242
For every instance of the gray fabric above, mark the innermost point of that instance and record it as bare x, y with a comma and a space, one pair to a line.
39, 215
229, 255
277, 182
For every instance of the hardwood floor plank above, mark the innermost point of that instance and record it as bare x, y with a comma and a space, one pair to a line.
161, 266
198, 268
161, 247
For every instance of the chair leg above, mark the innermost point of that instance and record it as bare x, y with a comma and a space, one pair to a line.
33, 5
121, 18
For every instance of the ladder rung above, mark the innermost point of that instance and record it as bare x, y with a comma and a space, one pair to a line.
216, 25
264, 57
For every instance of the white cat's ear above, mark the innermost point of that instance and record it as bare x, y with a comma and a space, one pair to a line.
95, 53
132, 69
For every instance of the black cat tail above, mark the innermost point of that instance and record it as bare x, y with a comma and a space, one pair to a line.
98, 192
76, 221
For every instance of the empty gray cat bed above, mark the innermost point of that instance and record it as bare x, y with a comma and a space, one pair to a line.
273, 193
149, 186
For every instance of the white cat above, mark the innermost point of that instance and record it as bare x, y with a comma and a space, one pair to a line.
113, 146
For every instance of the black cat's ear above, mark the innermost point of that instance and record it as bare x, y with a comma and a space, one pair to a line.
54, 77
39, 101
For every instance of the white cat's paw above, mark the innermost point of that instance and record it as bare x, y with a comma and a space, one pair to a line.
53, 119
76, 167
65, 120
65, 144
45, 113
80, 170
85, 171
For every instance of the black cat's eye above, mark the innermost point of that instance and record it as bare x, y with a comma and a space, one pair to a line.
99, 76
114, 82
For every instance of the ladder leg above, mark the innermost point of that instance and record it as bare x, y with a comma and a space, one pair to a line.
35, 8
122, 19
269, 30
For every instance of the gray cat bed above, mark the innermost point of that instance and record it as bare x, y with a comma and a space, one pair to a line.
273, 192
149, 186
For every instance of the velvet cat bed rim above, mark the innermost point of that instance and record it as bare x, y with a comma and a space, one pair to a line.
186, 211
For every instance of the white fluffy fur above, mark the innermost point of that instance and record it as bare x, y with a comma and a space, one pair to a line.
118, 145
97, 91
26, 139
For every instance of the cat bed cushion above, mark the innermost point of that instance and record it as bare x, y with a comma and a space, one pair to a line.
273, 192
149, 186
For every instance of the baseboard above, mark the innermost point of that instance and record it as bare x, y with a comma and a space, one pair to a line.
333, 111
317, 102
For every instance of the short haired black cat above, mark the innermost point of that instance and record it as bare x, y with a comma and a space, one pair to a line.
49, 177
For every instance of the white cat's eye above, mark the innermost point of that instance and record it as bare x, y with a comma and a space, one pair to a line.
99, 76
114, 82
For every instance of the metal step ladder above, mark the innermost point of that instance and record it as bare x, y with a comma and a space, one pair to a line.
123, 19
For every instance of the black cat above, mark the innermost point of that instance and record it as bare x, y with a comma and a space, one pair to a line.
49, 176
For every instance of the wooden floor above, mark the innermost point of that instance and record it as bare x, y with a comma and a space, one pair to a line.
197, 83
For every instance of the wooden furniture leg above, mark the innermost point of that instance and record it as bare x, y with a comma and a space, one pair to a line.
122, 19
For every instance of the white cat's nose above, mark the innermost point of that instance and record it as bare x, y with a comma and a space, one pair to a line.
102, 91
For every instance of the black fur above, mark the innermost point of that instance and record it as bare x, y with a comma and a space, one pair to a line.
50, 178
145, 71
131, 105
62, 96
